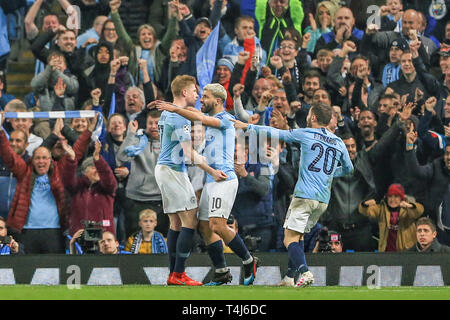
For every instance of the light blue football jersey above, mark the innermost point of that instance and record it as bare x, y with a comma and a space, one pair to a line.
173, 129
323, 156
219, 146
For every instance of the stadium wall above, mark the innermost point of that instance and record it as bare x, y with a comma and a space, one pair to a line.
346, 269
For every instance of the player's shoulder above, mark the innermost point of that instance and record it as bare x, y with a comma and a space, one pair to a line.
175, 118
225, 118
323, 135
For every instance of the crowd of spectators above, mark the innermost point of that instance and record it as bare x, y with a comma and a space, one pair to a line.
388, 84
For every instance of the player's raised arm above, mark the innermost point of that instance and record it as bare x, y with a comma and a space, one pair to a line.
284, 135
191, 114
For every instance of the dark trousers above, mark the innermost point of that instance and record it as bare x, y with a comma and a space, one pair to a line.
38, 241
266, 234
443, 237
133, 209
358, 239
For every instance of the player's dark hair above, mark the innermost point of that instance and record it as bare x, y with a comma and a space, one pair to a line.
323, 113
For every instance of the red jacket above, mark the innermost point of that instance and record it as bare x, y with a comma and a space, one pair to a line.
90, 202
25, 175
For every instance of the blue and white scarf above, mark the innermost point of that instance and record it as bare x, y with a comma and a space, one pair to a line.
391, 73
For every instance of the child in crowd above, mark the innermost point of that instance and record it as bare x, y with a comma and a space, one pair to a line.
147, 240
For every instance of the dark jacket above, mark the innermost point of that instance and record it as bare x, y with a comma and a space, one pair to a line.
90, 12
202, 9
327, 40
435, 247
379, 45
90, 202
254, 202
433, 178
348, 192
283, 187
75, 60
380, 158
134, 13
335, 81
376, 48
301, 61
423, 80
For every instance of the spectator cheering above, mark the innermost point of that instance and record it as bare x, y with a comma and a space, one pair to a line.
92, 195
396, 217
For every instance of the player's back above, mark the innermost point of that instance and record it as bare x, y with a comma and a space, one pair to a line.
321, 152
220, 144
173, 129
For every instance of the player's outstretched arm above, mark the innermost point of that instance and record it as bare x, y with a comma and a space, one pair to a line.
284, 135
200, 161
189, 113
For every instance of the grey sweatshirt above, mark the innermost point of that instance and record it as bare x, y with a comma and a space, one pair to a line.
141, 184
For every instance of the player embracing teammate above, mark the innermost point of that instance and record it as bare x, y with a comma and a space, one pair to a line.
221, 185
323, 156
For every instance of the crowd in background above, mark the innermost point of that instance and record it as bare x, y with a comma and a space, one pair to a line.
387, 79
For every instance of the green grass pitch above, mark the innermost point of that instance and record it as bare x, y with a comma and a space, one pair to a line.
147, 292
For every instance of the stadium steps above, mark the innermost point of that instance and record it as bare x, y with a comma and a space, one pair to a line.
20, 73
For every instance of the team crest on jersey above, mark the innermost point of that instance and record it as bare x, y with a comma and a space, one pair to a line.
193, 200
186, 129
438, 9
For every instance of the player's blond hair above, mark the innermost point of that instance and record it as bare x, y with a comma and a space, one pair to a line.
180, 83
217, 90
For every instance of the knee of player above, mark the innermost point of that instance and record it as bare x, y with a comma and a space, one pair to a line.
216, 226
286, 242
203, 227
175, 224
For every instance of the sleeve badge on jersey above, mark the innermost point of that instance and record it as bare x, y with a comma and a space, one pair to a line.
186, 129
